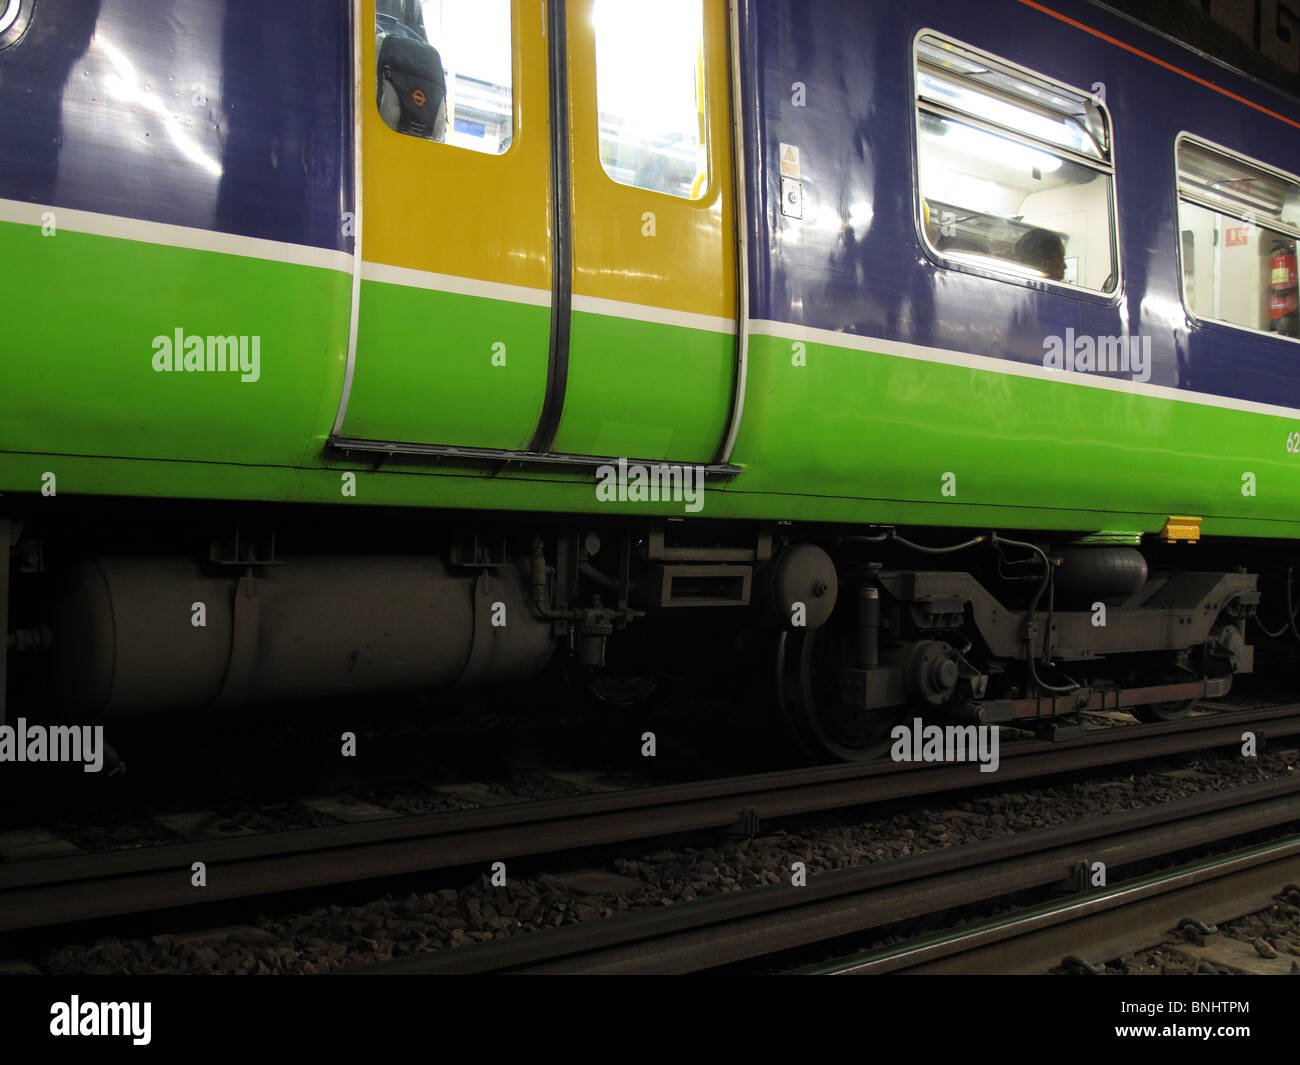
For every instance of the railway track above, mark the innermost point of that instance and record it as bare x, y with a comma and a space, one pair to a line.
51, 891
741, 927
1084, 931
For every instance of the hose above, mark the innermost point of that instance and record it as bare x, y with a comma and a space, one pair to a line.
1033, 607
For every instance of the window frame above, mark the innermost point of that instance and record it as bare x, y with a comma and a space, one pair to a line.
707, 193
451, 119
1109, 297
1195, 138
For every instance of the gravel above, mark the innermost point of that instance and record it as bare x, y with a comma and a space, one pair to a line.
1274, 932
449, 917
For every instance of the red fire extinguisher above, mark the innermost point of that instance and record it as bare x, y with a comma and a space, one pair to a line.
1284, 303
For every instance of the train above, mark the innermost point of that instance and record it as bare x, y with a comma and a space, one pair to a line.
931, 359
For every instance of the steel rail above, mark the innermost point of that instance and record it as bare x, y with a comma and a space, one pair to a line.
1123, 919
43, 892
727, 929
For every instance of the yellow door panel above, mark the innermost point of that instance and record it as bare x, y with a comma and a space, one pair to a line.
453, 325
450, 210
688, 263
652, 337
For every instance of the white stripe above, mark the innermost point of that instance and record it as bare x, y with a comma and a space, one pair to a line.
640, 312
462, 286
354, 304
878, 345
108, 225
540, 297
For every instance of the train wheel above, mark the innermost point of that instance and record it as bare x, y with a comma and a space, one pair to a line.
1154, 712
823, 725
1175, 711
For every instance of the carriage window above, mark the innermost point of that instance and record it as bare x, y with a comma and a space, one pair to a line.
650, 95
444, 71
1015, 171
1239, 223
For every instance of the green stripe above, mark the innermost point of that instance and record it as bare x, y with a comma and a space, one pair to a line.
78, 350
542, 491
849, 437
855, 423
425, 371
645, 390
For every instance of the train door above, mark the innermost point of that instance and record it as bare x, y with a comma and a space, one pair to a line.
548, 244
453, 317
652, 337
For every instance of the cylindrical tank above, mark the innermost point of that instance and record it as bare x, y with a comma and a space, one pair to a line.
1100, 573
156, 634
1284, 303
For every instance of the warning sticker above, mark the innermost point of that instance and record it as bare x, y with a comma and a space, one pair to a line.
789, 161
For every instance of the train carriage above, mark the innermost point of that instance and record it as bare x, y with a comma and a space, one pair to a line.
942, 354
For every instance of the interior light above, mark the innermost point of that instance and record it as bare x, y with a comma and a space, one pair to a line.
994, 149
1290, 212
633, 51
